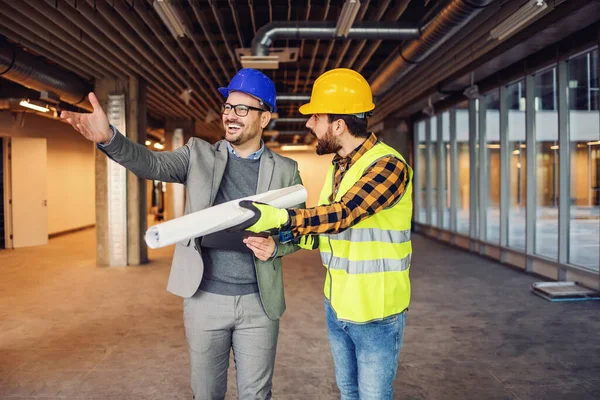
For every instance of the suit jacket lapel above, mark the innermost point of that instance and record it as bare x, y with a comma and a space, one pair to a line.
218, 170
265, 171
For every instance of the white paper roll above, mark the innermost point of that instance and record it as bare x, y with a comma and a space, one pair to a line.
219, 217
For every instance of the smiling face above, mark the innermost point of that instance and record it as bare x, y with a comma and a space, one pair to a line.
320, 127
246, 130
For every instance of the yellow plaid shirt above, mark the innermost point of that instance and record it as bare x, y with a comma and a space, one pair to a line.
382, 185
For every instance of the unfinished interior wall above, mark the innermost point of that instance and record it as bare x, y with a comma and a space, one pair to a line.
70, 166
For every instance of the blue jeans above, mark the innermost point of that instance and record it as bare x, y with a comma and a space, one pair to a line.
365, 355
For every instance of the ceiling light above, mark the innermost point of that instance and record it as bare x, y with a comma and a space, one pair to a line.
26, 103
593, 143
260, 62
168, 15
302, 147
159, 146
347, 17
521, 17
148, 142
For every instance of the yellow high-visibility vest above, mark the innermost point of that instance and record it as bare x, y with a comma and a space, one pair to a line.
368, 264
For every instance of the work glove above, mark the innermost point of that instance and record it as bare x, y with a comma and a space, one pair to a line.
308, 242
266, 218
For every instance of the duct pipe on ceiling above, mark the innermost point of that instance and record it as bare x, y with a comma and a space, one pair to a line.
326, 30
27, 70
452, 18
293, 97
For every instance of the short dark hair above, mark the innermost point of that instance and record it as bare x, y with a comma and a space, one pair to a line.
356, 126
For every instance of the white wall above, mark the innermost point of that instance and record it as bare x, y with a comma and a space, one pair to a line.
70, 167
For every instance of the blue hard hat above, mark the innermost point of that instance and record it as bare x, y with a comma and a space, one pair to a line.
254, 83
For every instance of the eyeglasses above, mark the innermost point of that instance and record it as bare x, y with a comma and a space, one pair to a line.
241, 110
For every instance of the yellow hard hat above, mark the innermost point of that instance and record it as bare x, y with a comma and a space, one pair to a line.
339, 91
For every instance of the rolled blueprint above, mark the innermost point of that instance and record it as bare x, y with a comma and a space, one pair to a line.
219, 217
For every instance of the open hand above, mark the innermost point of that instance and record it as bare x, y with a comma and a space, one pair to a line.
262, 248
94, 126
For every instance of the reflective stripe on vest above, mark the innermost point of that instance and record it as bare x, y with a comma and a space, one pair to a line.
373, 235
365, 267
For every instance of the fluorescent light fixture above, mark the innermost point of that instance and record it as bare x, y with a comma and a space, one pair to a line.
597, 142
493, 146
516, 152
168, 15
148, 142
27, 104
517, 20
554, 147
159, 146
260, 62
302, 147
347, 17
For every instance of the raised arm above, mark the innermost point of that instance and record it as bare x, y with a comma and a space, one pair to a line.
165, 166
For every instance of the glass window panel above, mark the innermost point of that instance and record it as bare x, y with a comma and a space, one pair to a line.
517, 167
434, 171
444, 180
464, 167
547, 164
422, 171
492, 128
584, 150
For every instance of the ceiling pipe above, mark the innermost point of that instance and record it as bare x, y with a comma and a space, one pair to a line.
396, 13
326, 30
40, 28
19, 35
27, 70
293, 97
451, 18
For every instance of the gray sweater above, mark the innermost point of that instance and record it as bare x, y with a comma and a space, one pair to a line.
232, 272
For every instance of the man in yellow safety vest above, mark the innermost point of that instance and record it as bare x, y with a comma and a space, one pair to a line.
363, 223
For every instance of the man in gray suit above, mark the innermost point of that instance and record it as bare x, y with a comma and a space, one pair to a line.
232, 285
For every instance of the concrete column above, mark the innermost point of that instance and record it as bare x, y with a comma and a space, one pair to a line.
188, 128
137, 253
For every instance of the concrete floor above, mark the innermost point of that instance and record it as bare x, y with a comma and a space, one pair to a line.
69, 329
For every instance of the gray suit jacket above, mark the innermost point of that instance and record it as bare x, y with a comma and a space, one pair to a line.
200, 167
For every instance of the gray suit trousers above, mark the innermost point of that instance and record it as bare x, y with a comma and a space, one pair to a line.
214, 324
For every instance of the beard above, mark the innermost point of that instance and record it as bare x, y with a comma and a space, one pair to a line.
328, 144
246, 134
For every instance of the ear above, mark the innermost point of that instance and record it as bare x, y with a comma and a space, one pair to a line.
265, 118
339, 127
